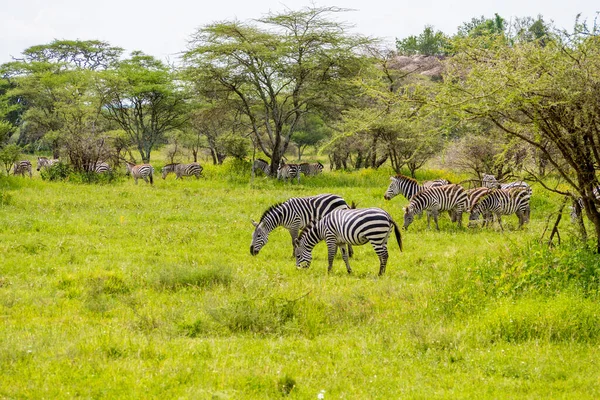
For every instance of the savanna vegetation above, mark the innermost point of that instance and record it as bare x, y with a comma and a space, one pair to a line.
111, 289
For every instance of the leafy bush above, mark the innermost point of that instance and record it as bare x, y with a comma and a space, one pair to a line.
57, 172
532, 269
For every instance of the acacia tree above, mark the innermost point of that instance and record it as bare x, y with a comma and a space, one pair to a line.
141, 96
54, 84
278, 70
546, 95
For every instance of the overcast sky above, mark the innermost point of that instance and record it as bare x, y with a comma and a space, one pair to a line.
162, 28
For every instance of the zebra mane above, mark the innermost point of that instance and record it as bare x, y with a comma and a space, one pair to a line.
260, 159
269, 210
405, 178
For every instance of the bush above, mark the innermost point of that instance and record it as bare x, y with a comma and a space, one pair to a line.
57, 172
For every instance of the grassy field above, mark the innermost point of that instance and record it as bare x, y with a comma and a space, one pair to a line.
125, 291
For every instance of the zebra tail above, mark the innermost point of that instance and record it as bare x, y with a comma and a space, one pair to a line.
152, 177
397, 233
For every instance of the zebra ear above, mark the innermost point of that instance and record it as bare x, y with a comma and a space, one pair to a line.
391, 178
254, 223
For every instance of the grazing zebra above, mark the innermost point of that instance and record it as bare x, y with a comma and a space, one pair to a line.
143, 171
474, 195
408, 187
21, 167
435, 199
192, 169
490, 181
311, 169
45, 162
293, 214
261, 165
503, 202
288, 171
342, 227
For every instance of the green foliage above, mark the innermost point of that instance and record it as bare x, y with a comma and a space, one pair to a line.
9, 154
179, 277
57, 172
427, 43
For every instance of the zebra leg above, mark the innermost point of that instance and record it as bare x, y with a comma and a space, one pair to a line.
350, 251
435, 219
458, 217
500, 221
382, 253
294, 235
135, 180
345, 257
331, 250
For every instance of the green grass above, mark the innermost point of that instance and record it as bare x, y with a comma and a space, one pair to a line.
136, 291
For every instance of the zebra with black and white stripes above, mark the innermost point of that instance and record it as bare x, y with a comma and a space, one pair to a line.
408, 187
45, 162
490, 181
181, 170
294, 215
141, 171
343, 227
21, 167
99, 167
288, 171
578, 206
261, 165
504, 202
311, 169
435, 199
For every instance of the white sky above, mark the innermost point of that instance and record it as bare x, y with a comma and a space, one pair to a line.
161, 28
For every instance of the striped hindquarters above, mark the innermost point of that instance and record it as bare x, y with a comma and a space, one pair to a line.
21, 167
261, 165
101, 167
288, 171
311, 169
141, 171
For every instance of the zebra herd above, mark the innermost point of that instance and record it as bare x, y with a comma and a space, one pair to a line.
137, 171
327, 217
288, 171
492, 199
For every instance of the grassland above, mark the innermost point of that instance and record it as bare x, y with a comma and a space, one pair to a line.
125, 291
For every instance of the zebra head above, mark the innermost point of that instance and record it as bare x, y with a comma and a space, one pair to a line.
409, 216
475, 211
302, 254
489, 181
260, 237
392, 190
167, 169
41, 162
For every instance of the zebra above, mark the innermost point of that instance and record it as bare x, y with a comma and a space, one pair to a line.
490, 181
21, 167
435, 199
143, 171
45, 162
578, 207
408, 187
293, 214
474, 195
261, 165
504, 202
290, 171
99, 167
192, 169
344, 227
311, 169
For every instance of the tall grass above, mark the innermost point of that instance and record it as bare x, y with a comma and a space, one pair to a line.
123, 290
